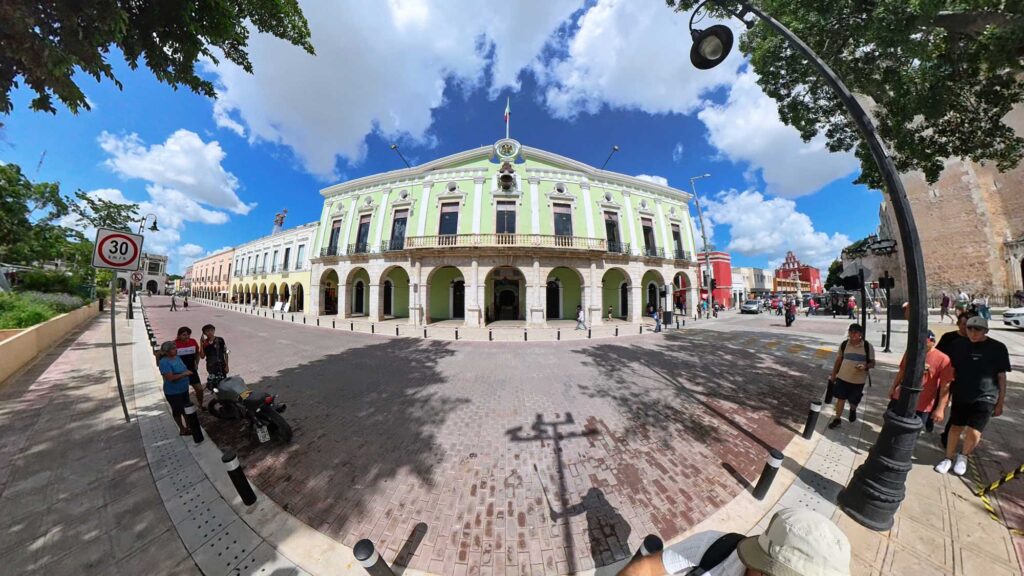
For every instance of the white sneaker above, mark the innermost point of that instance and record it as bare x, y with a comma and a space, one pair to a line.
960, 466
944, 466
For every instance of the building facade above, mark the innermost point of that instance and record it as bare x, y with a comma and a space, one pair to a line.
211, 276
790, 285
792, 269
501, 233
757, 282
186, 281
971, 228
721, 266
154, 274
275, 269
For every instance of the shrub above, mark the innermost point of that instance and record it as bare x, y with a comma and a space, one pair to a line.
25, 309
59, 303
46, 281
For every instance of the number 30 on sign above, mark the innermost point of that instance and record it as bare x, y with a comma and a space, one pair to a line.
117, 250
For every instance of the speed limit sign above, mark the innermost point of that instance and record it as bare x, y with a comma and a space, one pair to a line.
117, 250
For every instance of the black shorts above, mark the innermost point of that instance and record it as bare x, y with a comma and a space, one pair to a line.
844, 390
177, 402
974, 415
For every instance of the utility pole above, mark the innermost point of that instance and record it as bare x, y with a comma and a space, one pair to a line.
704, 239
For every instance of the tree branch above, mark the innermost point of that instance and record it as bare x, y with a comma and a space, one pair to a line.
973, 23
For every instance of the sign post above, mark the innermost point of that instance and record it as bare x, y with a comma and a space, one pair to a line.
117, 251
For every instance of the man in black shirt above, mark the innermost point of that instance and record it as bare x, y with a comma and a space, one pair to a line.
978, 391
945, 345
214, 350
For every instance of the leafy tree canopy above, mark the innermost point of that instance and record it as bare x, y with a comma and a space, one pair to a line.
44, 42
943, 74
835, 274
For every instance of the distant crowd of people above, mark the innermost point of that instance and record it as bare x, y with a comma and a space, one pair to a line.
963, 302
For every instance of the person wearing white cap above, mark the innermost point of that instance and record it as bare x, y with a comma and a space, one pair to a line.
797, 543
978, 391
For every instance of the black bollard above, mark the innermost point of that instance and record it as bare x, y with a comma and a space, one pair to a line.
303, 318
192, 418
456, 334
558, 334
396, 329
588, 333
370, 560
351, 326
641, 328
490, 335
524, 334
829, 387
371, 328
884, 344
651, 545
812, 419
332, 324
616, 331
771, 468
317, 320
424, 332
238, 478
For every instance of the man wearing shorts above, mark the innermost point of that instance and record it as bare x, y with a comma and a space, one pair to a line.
979, 390
855, 358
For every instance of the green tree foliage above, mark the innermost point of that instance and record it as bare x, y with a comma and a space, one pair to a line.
29, 215
943, 74
835, 274
96, 212
45, 42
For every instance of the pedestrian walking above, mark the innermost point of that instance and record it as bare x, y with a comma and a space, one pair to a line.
983, 308
188, 351
945, 346
962, 301
215, 351
851, 308
797, 542
174, 303
855, 358
876, 309
938, 373
580, 319
978, 392
944, 309
609, 312
175, 376
185, 302
657, 319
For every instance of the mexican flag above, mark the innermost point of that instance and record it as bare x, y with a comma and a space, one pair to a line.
508, 111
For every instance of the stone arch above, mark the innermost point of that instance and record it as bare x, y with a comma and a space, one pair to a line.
272, 295
328, 293
393, 293
122, 284
357, 291
446, 290
564, 293
152, 287
298, 303
284, 295
651, 284
505, 292
263, 295
616, 294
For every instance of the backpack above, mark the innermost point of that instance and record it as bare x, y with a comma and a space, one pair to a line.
868, 350
719, 550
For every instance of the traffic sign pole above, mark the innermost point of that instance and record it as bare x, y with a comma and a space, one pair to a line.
113, 344
118, 251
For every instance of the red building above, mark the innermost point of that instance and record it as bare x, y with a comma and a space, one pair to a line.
721, 265
792, 269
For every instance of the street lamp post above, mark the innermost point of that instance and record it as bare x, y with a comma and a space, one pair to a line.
131, 283
704, 239
878, 486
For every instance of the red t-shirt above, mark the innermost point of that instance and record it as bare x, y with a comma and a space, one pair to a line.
188, 351
940, 370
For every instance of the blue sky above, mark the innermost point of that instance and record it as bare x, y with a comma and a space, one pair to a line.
581, 78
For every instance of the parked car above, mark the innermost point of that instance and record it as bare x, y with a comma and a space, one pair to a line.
1014, 317
751, 307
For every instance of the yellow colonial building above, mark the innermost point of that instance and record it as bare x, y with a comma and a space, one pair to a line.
274, 271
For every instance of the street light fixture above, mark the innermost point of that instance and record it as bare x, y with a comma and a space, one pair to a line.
614, 150
878, 486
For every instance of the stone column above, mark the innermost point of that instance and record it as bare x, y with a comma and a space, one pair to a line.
692, 301
343, 303
535, 306
636, 306
473, 316
416, 295
374, 309
593, 297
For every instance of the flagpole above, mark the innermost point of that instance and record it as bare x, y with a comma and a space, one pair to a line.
508, 115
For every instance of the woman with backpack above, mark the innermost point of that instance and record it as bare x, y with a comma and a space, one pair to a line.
855, 358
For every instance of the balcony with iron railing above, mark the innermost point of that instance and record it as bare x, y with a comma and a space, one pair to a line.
393, 245
653, 252
681, 255
616, 247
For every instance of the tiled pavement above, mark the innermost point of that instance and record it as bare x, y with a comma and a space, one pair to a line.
390, 432
76, 493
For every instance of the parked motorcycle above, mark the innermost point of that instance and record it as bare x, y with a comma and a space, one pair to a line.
233, 400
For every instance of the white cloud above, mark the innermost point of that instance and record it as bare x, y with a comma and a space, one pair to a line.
677, 152
634, 55
747, 129
183, 162
380, 67
655, 179
190, 249
769, 227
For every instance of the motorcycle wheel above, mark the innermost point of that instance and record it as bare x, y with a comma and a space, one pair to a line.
277, 425
222, 410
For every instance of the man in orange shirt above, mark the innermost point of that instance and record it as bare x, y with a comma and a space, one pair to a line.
938, 373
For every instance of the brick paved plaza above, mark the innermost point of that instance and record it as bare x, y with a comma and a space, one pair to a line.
543, 457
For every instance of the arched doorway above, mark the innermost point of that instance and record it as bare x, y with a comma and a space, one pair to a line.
358, 292
446, 294
652, 282
299, 298
273, 295
286, 296
680, 286
394, 288
152, 287
328, 293
563, 303
615, 294
505, 294
122, 284
263, 294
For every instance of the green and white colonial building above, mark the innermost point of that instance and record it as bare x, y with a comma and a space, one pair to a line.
501, 233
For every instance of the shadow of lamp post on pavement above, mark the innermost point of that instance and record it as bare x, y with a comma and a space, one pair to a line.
879, 485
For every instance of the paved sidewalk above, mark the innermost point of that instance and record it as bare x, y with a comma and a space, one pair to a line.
76, 493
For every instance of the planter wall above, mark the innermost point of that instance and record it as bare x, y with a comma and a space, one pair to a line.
18, 351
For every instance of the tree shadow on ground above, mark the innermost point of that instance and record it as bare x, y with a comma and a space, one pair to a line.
379, 430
